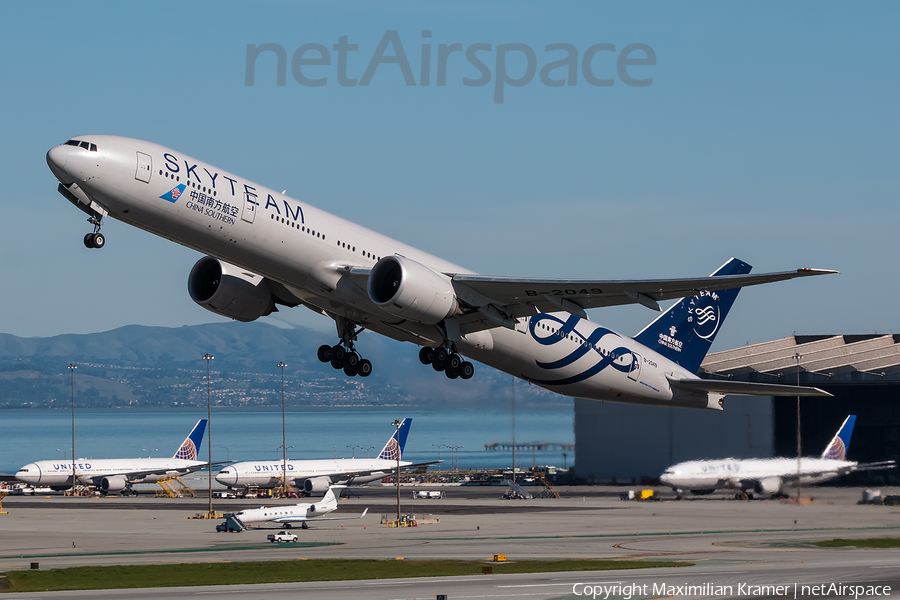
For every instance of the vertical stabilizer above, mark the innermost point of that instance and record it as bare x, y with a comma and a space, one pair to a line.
190, 447
393, 450
840, 443
684, 333
330, 500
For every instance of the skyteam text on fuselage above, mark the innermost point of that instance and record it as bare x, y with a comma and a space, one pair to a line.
266, 249
110, 475
316, 476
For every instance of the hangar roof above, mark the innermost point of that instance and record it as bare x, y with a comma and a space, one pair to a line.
817, 358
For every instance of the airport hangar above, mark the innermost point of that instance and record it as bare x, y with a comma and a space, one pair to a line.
622, 443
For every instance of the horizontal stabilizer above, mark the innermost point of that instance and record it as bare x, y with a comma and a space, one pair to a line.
876, 466
743, 388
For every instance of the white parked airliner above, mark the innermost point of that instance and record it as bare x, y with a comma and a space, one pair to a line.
267, 249
316, 476
110, 475
770, 475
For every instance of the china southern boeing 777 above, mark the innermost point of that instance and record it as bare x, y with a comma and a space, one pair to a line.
266, 249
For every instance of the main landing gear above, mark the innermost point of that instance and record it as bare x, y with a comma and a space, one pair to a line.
347, 359
448, 361
95, 239
343, 355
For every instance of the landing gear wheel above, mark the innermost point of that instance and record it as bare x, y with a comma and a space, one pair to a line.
426, 355
440, 356
324, 353
437, 366
349, 371
338, 353
304, 526
98, 240
451, 373
335, 363
453, 362
466, 370
364, 368
89, 240
351, 359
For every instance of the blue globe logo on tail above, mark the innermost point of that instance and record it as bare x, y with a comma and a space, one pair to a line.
188, 450
191, 444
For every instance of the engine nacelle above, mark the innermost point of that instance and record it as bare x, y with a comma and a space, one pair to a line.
410, 290
114, 483
229, 291
316, 485
769, 485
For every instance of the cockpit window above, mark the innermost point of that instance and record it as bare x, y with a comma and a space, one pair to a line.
85, 145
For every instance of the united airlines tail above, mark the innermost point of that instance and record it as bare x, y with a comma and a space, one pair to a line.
840, 444
190, 447
685, 332
393, 450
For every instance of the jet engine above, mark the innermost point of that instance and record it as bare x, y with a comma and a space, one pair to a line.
229, 291
769, 485
410, 290
115, 483
316, 485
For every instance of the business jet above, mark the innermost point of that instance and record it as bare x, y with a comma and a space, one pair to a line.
317, 476
110, 475
287, 516
769, 476
265, 249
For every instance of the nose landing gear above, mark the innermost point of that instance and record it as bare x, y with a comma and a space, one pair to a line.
448, 361
95, 239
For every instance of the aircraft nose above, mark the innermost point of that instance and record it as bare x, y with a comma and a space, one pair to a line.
29, 474
56, 160
227, 477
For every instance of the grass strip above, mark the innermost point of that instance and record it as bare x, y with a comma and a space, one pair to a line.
146, 576
867, 543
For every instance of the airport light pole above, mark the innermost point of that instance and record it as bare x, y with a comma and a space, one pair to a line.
454, 450
208, 357
151, 451
370, 448
396, 424
227, 453
439, 446
797, 356
282, 365
72, 368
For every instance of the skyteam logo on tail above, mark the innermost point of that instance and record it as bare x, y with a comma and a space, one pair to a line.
174, 194
704, 314
188, 450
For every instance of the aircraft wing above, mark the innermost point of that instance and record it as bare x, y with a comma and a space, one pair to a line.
300, 519
342, 475
743, 388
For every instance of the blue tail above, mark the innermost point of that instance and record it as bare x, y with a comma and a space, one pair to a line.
684, 333
190, 447
394, 450
840, 444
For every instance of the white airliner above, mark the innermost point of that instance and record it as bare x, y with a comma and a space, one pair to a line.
110, 475
266, 249
286, 516
316, 476
768, 476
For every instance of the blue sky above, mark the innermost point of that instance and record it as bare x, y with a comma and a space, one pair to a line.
769, 132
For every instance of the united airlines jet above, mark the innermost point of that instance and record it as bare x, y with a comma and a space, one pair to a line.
110, 475
265, 249
317, 476
769, 476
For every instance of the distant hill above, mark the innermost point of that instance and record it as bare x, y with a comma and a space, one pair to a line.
159, 366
